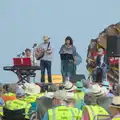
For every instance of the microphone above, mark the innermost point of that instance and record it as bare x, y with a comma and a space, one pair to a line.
34, 45
23, 53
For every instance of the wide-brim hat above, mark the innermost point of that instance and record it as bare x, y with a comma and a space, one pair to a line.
68, 86
115, 102
32, 89
97, 90
79, 85
100, 51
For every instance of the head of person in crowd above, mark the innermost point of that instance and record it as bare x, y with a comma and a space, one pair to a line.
20, 93
53, 88
70, 100
59, 97
46, 39
68, 41
86, 84
118, 90
115, 106
69, 87
27, 52
90, 99
79, 85
100, 51
97, 91
6, 88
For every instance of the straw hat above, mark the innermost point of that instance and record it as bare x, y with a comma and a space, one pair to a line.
97, 90
68, 86
115, 102
61, 95
79, 85
46, 38
49, 95
100, 51
31, 88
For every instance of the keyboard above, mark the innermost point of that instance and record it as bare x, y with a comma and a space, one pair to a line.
11, 68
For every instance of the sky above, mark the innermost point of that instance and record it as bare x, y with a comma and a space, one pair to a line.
24, 22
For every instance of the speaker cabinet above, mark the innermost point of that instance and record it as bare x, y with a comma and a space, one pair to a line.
77, 77
113, 46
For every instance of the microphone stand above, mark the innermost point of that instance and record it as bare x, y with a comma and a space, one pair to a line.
34, 58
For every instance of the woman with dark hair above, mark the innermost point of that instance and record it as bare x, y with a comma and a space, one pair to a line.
68, 67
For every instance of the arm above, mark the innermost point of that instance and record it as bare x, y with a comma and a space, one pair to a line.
61, 50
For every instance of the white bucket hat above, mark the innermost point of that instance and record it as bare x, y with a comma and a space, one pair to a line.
100, 51
31, 88
97, 90
68, 86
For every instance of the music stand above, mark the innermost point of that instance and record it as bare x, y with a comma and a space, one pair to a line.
66, 56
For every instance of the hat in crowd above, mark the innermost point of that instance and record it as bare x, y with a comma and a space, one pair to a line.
68, 86
79, 85
49, 95
53, 88
100, 51
20, 91
106, 84
90, 99
61, 95
31, 88
97, 90
46, 38
115, 102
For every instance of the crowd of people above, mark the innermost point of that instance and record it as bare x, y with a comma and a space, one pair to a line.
79, 101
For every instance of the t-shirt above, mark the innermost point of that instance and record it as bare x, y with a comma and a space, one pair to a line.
47, 57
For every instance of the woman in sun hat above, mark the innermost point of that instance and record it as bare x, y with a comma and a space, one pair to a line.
115, 108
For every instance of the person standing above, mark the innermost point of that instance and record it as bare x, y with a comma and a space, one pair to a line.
46, 60
68, 67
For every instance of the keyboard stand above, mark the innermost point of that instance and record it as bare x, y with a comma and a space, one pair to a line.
23, 72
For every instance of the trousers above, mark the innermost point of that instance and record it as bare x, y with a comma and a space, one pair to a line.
45, 65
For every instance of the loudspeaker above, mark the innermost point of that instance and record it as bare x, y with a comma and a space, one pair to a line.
113, 46
77, 77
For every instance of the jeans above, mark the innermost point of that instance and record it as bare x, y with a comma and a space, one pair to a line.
68, 69
104, 74
45, 65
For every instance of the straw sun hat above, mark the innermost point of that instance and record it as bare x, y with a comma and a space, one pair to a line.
68, 86
115, 102
97, 90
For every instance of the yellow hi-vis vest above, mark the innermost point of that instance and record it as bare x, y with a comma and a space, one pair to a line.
95, 110
1, 110
79, 95
9, 94
64, 113
32, 98
18, 104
